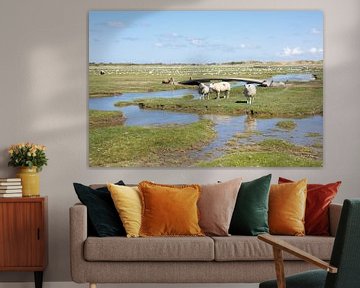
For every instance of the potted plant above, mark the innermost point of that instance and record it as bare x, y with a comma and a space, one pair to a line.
30, 158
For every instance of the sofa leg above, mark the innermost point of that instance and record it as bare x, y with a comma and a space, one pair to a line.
92, 285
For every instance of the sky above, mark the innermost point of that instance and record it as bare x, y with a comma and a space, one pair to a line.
201, 37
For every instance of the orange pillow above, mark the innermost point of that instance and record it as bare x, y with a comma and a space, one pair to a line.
287, 204
169, 210
318, 200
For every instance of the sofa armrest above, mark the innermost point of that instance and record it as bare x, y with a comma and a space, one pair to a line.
78, 235
334, 217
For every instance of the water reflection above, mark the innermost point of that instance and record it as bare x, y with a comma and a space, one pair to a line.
250, 124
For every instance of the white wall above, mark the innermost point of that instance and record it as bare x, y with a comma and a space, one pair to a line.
43, 90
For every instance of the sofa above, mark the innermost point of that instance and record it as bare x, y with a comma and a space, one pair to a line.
233, 259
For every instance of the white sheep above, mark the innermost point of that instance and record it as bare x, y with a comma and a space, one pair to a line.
221, 87
249, 92
204, 91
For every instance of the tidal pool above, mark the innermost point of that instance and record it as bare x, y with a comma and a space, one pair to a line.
226, 126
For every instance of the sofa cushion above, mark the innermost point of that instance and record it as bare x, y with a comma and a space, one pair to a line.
250, 215
102, 216
127, 201
287, 204
245, 248
318, 199
149, 249
169, 210
216, 206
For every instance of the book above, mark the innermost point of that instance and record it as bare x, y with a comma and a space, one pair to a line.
10, 191
10, 187
9, 183
10, 180
4, 195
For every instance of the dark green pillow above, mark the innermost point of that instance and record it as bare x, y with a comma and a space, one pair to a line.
250, 216
103, 218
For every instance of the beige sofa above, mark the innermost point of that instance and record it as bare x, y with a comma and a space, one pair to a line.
234, 259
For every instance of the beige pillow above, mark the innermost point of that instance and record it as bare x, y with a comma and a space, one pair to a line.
216, 206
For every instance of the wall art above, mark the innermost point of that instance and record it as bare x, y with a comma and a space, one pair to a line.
205, 88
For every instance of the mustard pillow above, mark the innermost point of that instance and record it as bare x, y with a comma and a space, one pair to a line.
287, 204
169, 210
127, 201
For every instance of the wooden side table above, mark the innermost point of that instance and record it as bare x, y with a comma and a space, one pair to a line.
23, 235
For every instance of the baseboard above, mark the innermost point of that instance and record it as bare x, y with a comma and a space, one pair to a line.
74, 285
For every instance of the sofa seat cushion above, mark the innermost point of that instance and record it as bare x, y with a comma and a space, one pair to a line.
244, 248
149, 249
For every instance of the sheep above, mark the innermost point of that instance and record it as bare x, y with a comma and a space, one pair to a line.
249, 92
220, 87
204, 91
102, 72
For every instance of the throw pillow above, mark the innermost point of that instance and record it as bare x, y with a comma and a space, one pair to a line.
216, 206
250, 215
102, 215
127, 201
287, 204
169, 210
319, 197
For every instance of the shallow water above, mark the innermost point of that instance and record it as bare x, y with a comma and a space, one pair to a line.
226, 126
260, 129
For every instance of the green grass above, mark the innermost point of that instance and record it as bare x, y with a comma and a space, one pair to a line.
268, 153
312, 134
293, 101
105, 118
121, 78
286, 124
134, 146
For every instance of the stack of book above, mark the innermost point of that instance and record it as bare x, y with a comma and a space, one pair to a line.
10, 187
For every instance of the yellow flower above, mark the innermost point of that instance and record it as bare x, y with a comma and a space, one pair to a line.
11, 151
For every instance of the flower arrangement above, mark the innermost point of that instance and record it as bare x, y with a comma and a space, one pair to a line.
27, 155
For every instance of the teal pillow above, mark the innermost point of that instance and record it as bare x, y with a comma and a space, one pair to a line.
250, 216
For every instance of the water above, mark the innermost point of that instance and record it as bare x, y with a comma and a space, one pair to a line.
141, 117
260, 129
305, 77
107, 103
226, 126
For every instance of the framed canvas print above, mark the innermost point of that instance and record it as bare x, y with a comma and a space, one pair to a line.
205, 88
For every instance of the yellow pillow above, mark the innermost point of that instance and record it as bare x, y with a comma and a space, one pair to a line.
287, 204
169, 210
127, 201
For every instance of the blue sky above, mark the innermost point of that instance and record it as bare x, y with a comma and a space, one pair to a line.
204, 36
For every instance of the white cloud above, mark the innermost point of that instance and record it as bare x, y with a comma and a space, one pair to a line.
196, 42
315, 31
292, 51
116, 24
315, 50
158, 44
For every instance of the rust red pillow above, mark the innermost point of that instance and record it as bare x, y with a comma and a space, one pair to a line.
319, 197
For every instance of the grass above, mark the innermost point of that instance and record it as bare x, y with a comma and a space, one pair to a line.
105, 118
286, 124
293, 101
312, 134
268, 153
121, 78
134, 146
114, 145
